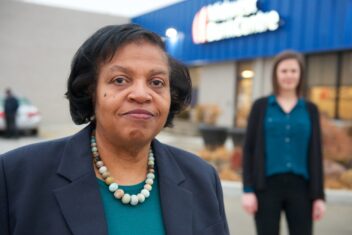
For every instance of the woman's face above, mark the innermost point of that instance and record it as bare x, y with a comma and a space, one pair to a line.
288, 75
133, 94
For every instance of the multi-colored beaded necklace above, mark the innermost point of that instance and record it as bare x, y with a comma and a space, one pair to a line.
131, 199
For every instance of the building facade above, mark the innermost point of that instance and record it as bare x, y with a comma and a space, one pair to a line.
229, 46
37, 46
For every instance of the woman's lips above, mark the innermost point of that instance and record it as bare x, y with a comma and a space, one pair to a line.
139, 114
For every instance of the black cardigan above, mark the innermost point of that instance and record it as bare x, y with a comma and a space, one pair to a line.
253, 150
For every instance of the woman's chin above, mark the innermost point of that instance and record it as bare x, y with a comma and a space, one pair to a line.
289, 89
140, 136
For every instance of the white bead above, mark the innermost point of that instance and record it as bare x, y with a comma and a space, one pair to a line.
106, 174
151, 163
119, 193
150, 176
148, 187
145, 193
113, 187
149, 181
126, 198
103, 169
141, 197
99, 164
134, 200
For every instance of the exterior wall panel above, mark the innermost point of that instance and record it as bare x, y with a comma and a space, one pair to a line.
37, 44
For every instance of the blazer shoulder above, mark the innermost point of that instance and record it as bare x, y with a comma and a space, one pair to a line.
312, 108
258, 107
310, 104
260, 102
34, 153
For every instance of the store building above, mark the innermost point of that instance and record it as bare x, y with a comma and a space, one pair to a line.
229, 46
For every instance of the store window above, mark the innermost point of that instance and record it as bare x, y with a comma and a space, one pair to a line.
321, 77
345, 89
244, 89
329, 80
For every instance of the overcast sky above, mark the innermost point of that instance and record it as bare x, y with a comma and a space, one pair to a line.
127, 8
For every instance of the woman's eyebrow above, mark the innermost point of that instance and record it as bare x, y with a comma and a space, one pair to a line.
127, 70
119, 68
158, 72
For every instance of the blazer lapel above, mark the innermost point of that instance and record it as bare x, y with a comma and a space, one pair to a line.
176, 201
80, 200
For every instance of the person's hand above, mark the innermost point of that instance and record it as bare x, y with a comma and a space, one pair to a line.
318, 209
250, 203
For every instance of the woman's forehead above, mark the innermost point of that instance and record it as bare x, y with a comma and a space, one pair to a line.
140, 43
128, 55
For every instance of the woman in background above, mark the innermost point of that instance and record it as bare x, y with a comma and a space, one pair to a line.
282, 167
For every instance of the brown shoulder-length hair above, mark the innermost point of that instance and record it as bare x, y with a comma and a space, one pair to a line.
285, 55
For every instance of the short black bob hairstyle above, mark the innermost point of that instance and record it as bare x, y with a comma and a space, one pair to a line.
100, 48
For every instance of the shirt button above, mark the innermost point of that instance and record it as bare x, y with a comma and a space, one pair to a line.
288, 165
287, 140
288, 127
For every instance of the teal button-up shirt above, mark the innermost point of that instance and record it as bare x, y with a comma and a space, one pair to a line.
286, 139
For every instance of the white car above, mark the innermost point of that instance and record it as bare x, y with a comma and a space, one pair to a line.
27, 119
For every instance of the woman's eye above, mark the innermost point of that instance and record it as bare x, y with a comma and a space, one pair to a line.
157, 83
120, 80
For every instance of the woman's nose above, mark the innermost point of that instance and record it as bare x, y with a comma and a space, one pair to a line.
140, 93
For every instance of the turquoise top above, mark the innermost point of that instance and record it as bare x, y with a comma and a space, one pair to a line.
286, 139
145, 218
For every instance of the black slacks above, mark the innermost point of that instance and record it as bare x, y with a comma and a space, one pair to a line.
287, 193
11, 128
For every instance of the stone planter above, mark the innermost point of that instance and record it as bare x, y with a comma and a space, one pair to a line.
213, 136
237, 136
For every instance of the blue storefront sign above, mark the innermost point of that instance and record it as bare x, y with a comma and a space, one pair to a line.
212, 31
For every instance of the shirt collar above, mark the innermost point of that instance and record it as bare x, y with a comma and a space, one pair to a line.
272, 101
300, 102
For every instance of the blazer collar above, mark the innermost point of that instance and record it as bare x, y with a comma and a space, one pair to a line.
80, 200
176, 201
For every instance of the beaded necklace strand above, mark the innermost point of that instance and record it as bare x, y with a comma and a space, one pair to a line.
125, 198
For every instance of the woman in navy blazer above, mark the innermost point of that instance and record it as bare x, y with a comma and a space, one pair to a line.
114, 177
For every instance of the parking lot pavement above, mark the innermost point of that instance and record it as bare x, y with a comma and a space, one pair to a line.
339, 203
336, 221
9, 144
47, 132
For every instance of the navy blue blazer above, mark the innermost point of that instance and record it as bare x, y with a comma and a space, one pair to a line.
50, 188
